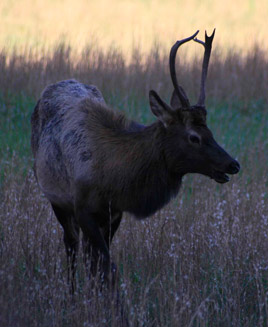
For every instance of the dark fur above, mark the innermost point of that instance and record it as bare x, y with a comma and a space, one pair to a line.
93, 164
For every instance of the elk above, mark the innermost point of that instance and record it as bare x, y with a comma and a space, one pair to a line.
93, 164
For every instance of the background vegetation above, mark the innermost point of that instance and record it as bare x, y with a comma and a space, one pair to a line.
201, 261
128, 23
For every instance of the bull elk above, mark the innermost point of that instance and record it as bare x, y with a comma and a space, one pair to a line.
93, 164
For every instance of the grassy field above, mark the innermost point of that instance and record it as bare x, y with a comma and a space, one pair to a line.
127, 23
200, 262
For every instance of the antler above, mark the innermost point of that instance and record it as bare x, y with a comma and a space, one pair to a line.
180, 91
207, 44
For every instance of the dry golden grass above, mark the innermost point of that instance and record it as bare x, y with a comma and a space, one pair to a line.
239, 24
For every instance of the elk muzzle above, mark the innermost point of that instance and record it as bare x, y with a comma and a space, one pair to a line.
221, 176
233, 168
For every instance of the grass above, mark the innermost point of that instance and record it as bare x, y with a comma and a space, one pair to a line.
15, 130
125, 23
201, 261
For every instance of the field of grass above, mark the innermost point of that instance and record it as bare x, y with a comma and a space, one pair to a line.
200, 262
124, 23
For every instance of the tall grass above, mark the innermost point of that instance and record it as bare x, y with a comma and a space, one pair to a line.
240, 24
236, 88
201, 261
231, 76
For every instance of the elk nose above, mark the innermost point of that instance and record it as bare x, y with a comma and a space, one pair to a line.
234, 167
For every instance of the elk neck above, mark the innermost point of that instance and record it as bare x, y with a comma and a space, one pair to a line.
138, 170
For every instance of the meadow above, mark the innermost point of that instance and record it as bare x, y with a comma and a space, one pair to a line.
202, 261
126, 24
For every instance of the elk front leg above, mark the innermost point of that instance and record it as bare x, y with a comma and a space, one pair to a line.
95, 248
111, 227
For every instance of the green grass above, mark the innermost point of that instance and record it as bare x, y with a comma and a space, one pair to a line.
15, 112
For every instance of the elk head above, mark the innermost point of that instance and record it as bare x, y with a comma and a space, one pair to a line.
191, 147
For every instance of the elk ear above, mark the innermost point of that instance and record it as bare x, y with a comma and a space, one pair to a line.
160, 109
175, 101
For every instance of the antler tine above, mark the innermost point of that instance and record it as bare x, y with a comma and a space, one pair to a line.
181, 93
208, 45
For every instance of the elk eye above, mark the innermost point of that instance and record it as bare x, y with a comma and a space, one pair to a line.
194, 139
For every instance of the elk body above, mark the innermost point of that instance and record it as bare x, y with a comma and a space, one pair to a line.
93, 164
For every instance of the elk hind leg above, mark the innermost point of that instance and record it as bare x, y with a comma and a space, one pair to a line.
71, 240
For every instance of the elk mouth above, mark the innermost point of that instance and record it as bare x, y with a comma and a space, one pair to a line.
220, 177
